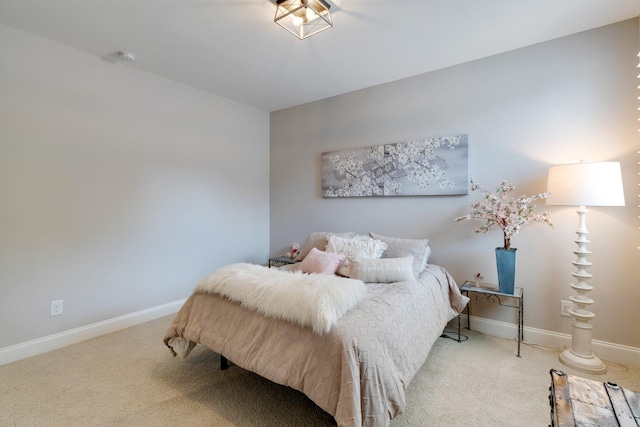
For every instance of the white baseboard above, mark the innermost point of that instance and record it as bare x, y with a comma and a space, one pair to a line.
616, 353
608, 351
73, 336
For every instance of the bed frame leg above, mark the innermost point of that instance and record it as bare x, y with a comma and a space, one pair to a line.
224, 363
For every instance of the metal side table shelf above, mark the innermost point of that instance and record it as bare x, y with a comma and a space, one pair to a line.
280, 261
489, 295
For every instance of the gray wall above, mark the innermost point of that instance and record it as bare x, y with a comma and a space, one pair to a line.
562, 101
119, 189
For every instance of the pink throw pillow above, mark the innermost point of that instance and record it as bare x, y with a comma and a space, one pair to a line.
321, 262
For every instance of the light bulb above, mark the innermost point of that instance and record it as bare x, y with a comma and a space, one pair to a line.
311, 14
297, 21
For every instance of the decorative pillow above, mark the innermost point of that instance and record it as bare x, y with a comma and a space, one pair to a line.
356, 247
397, 247
383, 270
318, 261
318, 240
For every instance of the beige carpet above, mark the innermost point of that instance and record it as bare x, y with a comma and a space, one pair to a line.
129, 378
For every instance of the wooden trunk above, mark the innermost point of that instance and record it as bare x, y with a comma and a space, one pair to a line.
579, 402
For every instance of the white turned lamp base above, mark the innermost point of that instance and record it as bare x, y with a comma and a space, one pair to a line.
590, 365
580, 356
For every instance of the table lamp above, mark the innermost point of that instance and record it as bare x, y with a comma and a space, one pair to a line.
583, 184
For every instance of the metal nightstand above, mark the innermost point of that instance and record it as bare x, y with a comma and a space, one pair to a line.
488, 295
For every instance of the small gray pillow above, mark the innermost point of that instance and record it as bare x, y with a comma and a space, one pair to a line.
397, 248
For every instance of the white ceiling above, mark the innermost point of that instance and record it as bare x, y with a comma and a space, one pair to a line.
234, 49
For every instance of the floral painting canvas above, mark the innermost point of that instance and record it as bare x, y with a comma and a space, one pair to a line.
426, 167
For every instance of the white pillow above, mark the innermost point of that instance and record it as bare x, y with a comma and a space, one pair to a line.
384, 270
356, 247
318, 240
397, 247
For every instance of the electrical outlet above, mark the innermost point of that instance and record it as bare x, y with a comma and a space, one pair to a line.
56, 308
564, 307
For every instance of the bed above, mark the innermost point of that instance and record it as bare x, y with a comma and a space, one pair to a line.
356, 369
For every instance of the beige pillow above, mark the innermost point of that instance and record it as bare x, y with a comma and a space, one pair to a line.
397, 247
356, 247
318, 240
383, 270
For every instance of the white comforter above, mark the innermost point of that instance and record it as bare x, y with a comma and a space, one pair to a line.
359, 371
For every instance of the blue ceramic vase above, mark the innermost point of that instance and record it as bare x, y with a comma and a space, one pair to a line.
506, 262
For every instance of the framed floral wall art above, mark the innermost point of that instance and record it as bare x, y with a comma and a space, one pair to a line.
425, 167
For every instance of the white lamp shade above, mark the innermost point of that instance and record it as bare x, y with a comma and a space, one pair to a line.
585, 184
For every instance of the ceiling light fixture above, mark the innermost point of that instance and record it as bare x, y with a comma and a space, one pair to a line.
303, 18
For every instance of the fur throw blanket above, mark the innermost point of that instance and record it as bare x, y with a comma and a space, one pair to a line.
314, 300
